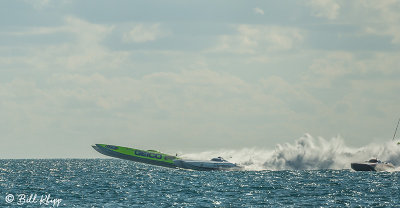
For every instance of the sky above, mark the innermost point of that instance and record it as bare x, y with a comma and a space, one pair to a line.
187, 76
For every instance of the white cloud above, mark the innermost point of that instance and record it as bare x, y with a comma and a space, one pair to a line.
38, 4
144, 33
86, 33
209, 103
72, 84
45, 4
84, 50
376, 98
325, 8
374, 17
254, 39
333, 65
258, 11
329, 67
380, 18
83, 31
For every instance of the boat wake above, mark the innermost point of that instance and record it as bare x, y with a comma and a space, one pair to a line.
306, 153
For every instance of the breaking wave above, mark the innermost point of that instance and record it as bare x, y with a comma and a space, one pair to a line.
306, 153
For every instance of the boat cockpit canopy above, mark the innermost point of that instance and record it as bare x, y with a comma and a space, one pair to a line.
219, 159
373, 161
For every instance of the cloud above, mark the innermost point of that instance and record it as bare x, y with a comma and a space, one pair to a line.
380, 18
38, 4
81, 48
70, 79
83, 31
144, 33
160, 90
374, 18
200, 104
325, 8
46, 4
330, 68
350, 85
258, 11
253, 39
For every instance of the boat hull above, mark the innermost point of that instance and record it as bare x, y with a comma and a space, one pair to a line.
363, 167
372, 166
206, 165
142, 156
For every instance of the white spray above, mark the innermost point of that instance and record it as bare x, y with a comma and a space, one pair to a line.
307, 153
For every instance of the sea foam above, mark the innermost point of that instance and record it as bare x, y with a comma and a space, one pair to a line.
306, 153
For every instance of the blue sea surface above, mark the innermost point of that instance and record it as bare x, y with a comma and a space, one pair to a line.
121, 183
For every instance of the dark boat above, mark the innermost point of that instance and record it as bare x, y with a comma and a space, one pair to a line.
372, 165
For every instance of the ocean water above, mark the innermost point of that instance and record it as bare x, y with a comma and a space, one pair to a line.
121, 183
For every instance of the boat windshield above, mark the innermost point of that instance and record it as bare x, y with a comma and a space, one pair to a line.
373, 161
218, 159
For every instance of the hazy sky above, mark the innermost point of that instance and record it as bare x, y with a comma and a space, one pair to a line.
195, 75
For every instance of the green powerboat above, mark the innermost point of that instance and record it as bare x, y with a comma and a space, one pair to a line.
150, 156
157, 158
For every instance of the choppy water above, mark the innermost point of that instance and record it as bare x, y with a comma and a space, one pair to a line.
120, 183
